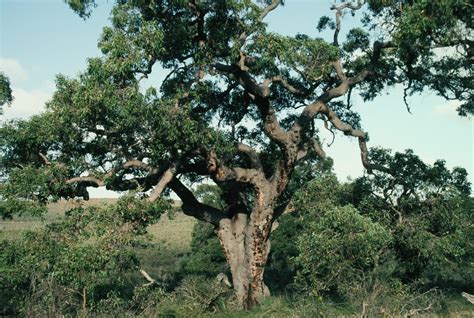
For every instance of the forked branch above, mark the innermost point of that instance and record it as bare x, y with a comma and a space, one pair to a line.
339, 10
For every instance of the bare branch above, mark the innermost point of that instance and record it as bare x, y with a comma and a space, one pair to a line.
339, 9
272, 6
45, 159
167, 176
283, 82
148, 278
96, 182
321, 107
331, 131
149, 67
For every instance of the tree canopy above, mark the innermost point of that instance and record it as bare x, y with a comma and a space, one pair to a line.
225, 69
6, 97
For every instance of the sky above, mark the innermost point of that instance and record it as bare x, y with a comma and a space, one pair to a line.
42, 38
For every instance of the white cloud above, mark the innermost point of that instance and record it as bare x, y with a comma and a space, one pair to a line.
13, 69
447, 109
26, 103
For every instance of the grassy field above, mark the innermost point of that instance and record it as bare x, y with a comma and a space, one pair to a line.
173, 233
168, 239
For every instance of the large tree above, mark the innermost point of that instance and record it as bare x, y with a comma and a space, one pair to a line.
225, 69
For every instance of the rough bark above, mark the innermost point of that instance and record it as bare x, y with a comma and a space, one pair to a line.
245, 241
246, 249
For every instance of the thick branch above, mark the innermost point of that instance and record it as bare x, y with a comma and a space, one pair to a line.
283, 82
271, 125
251, 154
167, 176
313, 144
339, 70
364, 154
259, 94
220, 172
347, 129
192, 207
137, 164
311, 110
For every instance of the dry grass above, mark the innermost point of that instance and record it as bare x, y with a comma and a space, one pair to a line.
11, 229
174, 233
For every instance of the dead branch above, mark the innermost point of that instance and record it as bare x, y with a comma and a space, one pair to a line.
148, 278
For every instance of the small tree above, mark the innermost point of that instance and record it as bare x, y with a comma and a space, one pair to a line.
412, 223
427, 210
225, 67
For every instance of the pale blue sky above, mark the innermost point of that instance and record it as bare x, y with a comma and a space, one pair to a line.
41, 38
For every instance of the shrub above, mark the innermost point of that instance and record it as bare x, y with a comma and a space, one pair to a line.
339, 249
206, 256
75, 263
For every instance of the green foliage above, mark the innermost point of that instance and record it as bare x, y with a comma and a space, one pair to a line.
310, 57
427, 209
325, 22
28, 189
85, 255
210, 194
82, 7
416, 27
281, 269
195, 296
356, 39
206, 257
388, 235
409, 223
6, 97
338, 249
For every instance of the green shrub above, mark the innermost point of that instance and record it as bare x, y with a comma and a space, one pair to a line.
76, 263
339, 249
206, 256
196, 296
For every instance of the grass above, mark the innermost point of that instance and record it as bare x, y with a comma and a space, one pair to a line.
11, 229
172, 233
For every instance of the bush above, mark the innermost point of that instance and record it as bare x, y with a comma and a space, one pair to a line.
76, 263
338, 250
206, 257
195, 296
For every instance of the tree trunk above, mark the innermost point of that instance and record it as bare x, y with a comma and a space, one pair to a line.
246, 244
